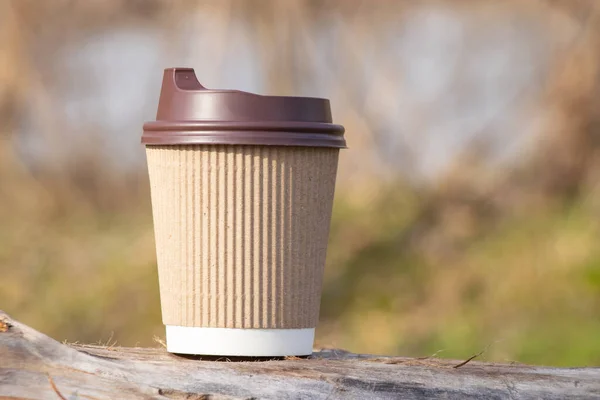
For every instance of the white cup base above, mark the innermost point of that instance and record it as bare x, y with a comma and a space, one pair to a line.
240, 342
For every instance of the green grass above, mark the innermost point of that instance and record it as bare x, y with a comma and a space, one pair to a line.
399, 281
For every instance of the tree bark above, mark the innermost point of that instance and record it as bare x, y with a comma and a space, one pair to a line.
34, 366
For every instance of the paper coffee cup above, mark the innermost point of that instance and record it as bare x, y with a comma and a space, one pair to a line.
242, 189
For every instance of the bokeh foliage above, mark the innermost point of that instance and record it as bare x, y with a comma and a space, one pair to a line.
503, 258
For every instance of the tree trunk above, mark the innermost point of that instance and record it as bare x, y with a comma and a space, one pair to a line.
34, 366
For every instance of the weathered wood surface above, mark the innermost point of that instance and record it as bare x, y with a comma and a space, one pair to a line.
34, 366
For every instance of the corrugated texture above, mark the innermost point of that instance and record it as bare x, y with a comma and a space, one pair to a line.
241, 233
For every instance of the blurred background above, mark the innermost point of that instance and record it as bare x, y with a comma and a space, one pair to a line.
467, 211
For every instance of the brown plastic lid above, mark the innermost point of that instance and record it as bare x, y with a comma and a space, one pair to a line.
188, 113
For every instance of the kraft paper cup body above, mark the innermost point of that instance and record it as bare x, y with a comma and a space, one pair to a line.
241, 213
241, 236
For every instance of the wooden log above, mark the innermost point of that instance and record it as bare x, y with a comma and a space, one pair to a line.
34, 366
